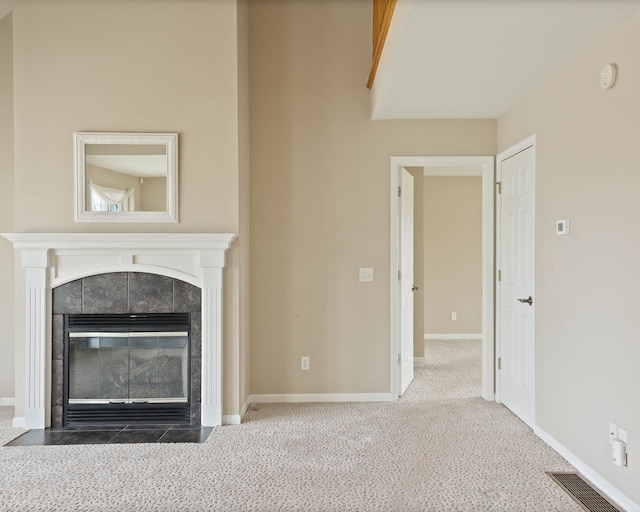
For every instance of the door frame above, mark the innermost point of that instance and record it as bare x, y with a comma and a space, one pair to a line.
406, 284
501, 157
447, 167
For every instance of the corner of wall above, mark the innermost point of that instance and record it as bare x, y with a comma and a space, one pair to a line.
7, 335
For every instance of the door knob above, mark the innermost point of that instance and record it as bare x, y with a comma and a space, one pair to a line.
527, 301
414, 288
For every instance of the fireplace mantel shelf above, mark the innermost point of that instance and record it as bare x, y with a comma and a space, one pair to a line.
51, 259
120, 240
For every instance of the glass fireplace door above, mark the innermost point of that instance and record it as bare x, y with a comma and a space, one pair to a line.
128, 367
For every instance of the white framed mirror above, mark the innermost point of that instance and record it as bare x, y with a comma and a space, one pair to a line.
126, 177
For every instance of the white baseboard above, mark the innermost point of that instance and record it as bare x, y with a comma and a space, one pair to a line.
319, 397
612, 492
453, 336
7, 402
231, 419
236, 419
419, 360
246, 405
19, 423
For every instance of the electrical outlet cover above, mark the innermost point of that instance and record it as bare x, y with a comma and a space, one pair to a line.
622, 434
562, 227
613, 431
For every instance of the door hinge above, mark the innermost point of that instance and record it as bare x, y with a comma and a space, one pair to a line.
399, 274
399, 191
499, 275
499, 363
499, 184
399, 358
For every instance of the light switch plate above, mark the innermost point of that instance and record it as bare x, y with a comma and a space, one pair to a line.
366, 274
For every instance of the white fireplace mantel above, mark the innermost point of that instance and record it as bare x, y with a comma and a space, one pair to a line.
52, 259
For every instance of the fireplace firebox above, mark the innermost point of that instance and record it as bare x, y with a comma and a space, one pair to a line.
126, 348
127, 368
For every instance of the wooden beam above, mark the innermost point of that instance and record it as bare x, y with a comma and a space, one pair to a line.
382, 14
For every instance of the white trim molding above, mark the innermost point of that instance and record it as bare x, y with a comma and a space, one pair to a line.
231, 419
596, 479
7, 401
51, 259
453, 336
246, 405
419, 360
236, 419
19, 422
485, 168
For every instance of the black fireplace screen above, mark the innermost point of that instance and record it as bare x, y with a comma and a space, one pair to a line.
127, 368
134, 367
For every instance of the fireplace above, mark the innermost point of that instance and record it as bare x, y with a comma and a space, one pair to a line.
77, 262
126, 349
131, 368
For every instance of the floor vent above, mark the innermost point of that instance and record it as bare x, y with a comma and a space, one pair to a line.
582, 492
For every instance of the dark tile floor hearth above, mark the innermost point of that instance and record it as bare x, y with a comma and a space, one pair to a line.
113, 435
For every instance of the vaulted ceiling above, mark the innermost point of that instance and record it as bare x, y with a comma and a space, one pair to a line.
477, 58
469, 59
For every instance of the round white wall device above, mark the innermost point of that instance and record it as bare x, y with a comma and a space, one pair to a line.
608, 76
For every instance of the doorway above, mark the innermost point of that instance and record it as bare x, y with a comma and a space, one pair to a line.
448, 166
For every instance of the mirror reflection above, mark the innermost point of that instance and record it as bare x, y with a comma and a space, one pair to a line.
125, 177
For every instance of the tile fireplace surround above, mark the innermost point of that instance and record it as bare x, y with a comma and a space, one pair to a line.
51, 259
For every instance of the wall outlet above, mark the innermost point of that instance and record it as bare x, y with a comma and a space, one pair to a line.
562, 227
622, 435
304, 363
454, 315
613, 432
619, 453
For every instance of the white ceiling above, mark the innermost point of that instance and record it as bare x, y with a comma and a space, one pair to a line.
140, 166
471, 59
474, 59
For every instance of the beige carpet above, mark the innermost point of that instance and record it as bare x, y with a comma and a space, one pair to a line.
441, 448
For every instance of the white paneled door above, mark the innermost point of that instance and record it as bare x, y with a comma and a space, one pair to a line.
516, 284
406, 281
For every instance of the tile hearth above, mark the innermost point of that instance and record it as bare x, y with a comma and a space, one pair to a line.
103, 434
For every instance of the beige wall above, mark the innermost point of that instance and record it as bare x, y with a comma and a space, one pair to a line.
6, 210
236, 307
153, 195
244, 201
587, 320
320, 197
75, 69
418, 267
110, 66
452, 254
